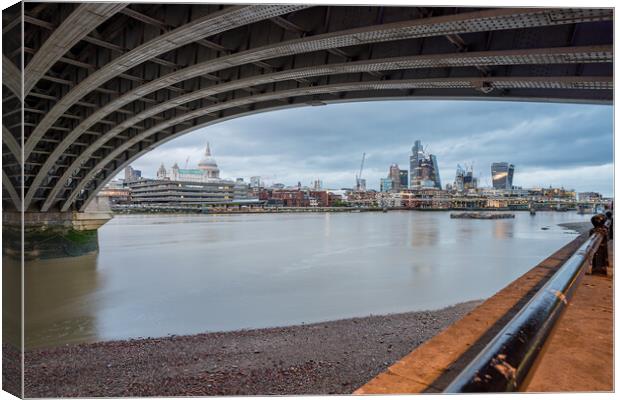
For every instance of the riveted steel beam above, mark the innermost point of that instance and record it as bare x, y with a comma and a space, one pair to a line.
210, 25
144, 18
74, 28
232, 72
459, 23
92, 40
11, 77
119, 165
10, 189
9, 140
592, 83
11, 25
288, 25
569, 55
497, 19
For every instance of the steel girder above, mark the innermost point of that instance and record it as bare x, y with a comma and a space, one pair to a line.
98, 98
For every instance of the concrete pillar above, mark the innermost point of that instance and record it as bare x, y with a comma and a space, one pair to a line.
53, 234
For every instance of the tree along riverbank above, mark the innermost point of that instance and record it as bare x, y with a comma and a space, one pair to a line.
322, 358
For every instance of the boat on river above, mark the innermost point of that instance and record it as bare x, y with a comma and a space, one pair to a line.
481, 215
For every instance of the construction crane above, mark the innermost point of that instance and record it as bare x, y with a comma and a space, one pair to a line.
358, 178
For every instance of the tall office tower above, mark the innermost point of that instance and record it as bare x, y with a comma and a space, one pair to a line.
424, 171
394, 175
465, 178
502, 174
435, 174
132, 174
386, 185
404, 178
255, 182
361, 185
414, 164
469, 182
128, 173
459, 180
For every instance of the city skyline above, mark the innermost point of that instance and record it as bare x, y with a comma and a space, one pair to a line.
554, 145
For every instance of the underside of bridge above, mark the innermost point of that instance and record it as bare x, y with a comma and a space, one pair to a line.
104, 83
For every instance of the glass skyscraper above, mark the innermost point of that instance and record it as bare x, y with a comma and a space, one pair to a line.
502, 174
414, 161
404, 178
423, 169
386, 184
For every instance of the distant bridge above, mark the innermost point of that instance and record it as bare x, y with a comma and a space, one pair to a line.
104, 83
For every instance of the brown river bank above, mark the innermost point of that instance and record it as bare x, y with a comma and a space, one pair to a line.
323, 358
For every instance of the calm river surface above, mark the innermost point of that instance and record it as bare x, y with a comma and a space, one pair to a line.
158, 275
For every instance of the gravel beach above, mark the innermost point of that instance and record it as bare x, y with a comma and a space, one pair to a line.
332, 357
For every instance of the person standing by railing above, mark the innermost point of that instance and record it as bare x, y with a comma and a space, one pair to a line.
610, 216
600, 261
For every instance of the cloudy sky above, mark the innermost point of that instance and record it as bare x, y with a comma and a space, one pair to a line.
550, 144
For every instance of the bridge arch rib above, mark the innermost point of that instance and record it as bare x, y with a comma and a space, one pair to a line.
184, 66
536, 56
118, 159
11, 79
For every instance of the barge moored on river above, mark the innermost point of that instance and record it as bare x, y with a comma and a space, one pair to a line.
481, 215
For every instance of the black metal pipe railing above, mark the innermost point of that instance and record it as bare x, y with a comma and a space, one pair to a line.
504, 364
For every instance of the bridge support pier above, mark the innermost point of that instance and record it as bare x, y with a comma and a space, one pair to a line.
52, 234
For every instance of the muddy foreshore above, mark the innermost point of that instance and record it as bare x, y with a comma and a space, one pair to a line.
323, 358
579, 227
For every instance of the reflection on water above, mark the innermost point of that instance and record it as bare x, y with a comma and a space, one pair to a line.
11, 301
62, 300
158, 275
424, 234
503, 229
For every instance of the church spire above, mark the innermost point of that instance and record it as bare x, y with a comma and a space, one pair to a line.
208, 151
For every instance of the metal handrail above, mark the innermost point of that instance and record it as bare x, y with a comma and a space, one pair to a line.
505, 362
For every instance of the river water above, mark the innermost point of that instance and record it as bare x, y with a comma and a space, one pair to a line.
157, 275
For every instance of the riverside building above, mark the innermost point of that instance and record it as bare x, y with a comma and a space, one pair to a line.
242, 190
188, 187
166, 192
590, 196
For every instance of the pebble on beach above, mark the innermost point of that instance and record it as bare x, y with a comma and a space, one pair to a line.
333, 357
